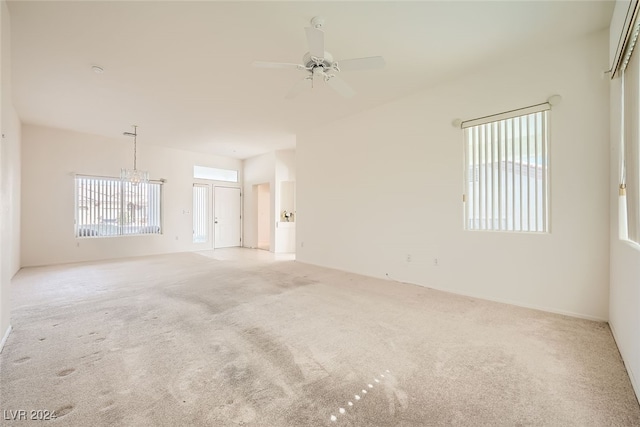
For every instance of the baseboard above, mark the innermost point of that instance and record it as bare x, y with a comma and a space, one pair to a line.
467, 294
4, 338
632, 378
519, 304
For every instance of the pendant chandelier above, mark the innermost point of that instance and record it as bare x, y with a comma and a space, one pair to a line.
134, 176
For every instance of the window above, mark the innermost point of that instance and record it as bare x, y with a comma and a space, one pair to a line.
111, 207
215, 174
506, 172
629, 207
200, 213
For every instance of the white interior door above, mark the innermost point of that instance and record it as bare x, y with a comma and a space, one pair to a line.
227, 217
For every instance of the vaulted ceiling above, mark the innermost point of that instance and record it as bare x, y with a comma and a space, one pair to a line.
182, 70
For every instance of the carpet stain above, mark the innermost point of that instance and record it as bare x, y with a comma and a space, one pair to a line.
94, 354
66, 372
397, 398
236, 375
61, 412
108, 405
100, 339
22, 360
198, 300
274, 351
41, 339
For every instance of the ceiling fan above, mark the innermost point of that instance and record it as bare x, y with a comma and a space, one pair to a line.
320, 64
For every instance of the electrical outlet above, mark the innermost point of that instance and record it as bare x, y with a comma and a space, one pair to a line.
302, 244
435, 262
409, 258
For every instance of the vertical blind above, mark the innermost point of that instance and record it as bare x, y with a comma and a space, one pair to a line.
506, 174
111, 207
200, 213
631, 156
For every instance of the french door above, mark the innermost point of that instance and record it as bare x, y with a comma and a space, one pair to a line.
226, 217
217, 219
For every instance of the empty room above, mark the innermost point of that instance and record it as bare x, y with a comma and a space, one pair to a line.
310, 213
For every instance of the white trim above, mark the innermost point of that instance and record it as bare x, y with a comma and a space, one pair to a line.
516, 304
632, 378
4, 339
470, 295
506, 115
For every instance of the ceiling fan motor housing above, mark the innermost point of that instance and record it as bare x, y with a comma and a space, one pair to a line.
317, 22
326, 63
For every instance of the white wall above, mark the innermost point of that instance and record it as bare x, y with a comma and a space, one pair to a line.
9, 180
624, 303
51, 156
387, 183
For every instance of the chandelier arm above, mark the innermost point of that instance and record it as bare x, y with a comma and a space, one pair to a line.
134, 176
135, 147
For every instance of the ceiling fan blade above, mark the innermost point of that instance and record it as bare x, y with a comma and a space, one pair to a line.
341, 87
315, 39
261, 64
298, 87
369, 63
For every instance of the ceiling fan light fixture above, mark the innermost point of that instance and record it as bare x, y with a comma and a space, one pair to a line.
318, 63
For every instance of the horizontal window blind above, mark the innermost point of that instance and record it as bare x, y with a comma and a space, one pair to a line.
506, 174
110, 207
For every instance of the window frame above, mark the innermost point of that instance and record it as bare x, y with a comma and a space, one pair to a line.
210, 173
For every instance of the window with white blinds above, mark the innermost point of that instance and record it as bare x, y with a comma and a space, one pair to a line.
200, 213
629, 207
506, 173
110, 207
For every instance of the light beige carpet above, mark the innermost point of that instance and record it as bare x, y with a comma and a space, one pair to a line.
187, 340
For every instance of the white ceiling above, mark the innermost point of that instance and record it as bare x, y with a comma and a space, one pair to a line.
181, 70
